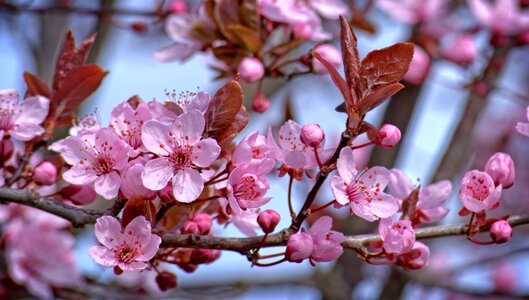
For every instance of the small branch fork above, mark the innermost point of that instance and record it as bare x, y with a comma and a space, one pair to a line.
80, 217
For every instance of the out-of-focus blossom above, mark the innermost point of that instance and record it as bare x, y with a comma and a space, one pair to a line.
78, 194
260, 103
330, 54
204, 222
416, 259
45, 173
388, 136
504, 17
414, 11
364, 191
178, 27
460, 49
500, 231
397, 237
419, 66
182, 152
500, 167
129, 249
251, 69
166, 280
523, 128
177, 104
478, 191
504, 277
22, 120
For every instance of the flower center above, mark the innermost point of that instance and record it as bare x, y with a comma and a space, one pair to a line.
477, 188
181, 157
126, 253
247, 189
357, 192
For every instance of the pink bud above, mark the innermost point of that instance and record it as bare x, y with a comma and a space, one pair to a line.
190, 227
500, 231
6, 150
178, 7
299, 247
301, 30
312, 135
388, 136
419, 67
79, 194
251, 69
166, 280
500, 167
204, 222
460, 49
268, 220
166, 194
415, 259
45, 173
200, 256
330, 54
260, 103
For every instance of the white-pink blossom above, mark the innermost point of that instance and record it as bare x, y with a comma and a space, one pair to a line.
127, 122
503, 17
478, 192
22, 120
397, 237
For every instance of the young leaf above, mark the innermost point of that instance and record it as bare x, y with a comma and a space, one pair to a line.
223, 109
246, 37
376, 97
239, 123
338, 81
36, 86
351, 61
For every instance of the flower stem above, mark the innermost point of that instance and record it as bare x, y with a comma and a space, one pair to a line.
313, 210
317, 157
290, 207
270, 264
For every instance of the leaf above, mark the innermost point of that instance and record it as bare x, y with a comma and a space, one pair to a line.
229, 54
246, 37
286, 47
409, 204
138, 206
338, 81
378, 96
385, 66
76, 87
70, 57
249, 15
226, 13
36, 85
236, 126
351, 61
223, 109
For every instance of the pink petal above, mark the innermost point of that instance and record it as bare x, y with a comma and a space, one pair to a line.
78, 174
33, 111
326, 250
295, 159
321, 227
363, 211
40, 288
205, 152
150, 249
289, 136
26, 132
523, 128
157, 173
384, 206
133, 266
435, 214
482, 11
138, 230
330, 9
106, 139
177, 51
191, 125
155, 137
9, 95
374, 176
435, 195
103, 256
107, 185
338, 189
73, 149
346, 165
187, 185
108, 231
400, 185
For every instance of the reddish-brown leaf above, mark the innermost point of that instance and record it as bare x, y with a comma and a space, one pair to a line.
36, 85
385, 66
409, 204
136, 207
351, 61
246, 37
78, 85
223, 109
239, 123
70, 57
226, 13
249, 15
376, 97
338, 81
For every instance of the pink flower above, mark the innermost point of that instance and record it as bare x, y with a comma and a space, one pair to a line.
22, 120
78, 194
251, 69
182, 152
41, 258
397, 237
478, 192
178, 27
131, 182
129, 249
319, 244
330, 54
419, 66
97, 160
364, 193
523, 128
415, 259
414, 11
203, 221
500, 167
460, 49
500, 231
252, 148
504, 17
177, 104
127, 122
247, 185
245, 220
431, 198
45, 173
388, 136
268, 220
301, 30
312, 135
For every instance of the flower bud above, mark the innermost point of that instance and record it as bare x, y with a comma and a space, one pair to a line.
190, 227
500, 167
6, 150
79, 194
166, 194
388, 136
251, 69
204, 222
500, 231
166, 280
268, 220
312, 135
178, 7
299, 247
301, 30
415, 259
330, 54
45, 173
260, 103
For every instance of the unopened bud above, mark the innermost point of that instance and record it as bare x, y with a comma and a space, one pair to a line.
260, 103
500, 231
79, 194
268, 220
6, 150
251, 69
500, 167
388, 136
166, 194
203, 222
301, 30
299, 247
45, 173
312, 135
330, 54
190, 227
166, 280
118, 271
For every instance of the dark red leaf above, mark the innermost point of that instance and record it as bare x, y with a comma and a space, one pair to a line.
239, 123
135, 207
351, 61
338, 81
36, 85
376, 97
223, 109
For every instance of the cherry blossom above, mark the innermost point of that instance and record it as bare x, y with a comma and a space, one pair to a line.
397, 237
251, 69
419, 67
478, 192
247, 185
504, 17
330, 54
127, 122
460, 49
414, 11
415, 259
22, 120
98, 160
500, 167
129, 249
364, 191
252, 148
182, 152
523, 128
268, 220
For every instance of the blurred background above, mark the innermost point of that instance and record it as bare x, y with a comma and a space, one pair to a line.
428, 112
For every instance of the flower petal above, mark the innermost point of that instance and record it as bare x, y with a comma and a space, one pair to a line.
103, 256
187, 185
107, 185
205, 152
108, 231
157, 173
155, 137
